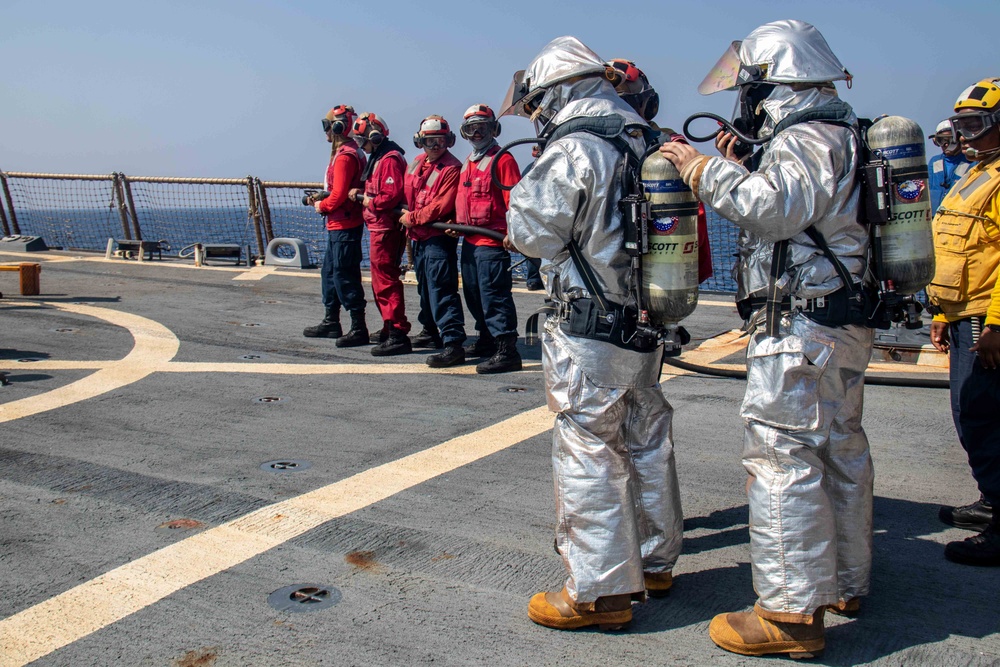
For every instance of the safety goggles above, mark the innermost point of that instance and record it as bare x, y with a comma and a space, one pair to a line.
328, 124
973, 125
943, 139
433, 142
482, 128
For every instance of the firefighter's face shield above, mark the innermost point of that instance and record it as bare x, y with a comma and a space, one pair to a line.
730, 72
518, 101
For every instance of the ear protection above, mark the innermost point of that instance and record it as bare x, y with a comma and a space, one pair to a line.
369, 126
339, 120
647, 100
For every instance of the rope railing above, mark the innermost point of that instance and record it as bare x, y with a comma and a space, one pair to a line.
82, 211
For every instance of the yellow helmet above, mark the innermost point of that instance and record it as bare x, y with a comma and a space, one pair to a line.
982, 96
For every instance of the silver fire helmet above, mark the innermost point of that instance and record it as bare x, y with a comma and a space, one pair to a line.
787, 51
563, 58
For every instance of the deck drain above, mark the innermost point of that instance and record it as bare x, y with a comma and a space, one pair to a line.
251, 324
270, 399
285, 465
65, 330
513, 390
252, 357
304, 597
270, 301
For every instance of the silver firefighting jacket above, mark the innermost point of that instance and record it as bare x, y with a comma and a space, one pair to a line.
806, 177
572, 192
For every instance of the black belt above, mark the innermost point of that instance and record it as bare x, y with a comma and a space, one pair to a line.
835, 309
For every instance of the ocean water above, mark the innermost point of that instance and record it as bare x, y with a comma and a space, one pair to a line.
90, 229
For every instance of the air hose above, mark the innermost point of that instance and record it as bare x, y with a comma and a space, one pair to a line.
921, 383
726, 125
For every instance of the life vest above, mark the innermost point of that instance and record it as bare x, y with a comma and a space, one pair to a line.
385, 219
419, 192
478, 202
964, 231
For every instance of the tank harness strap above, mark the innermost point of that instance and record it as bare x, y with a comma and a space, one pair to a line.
779, 257
595, 317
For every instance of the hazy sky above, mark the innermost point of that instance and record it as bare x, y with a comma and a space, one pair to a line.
218, 88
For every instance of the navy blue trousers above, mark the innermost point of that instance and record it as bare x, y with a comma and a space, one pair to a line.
341, 271
975, 407
486, 283
436, 264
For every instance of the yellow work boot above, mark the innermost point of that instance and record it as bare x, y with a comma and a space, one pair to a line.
556, 609
657, 583
747, 633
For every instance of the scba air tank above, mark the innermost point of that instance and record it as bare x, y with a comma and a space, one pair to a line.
670, 269
907, 239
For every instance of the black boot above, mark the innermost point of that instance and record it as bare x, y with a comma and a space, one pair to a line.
485, 346
395, 343
381, 335
358, 335
328, 328
976, 516
430, 339
453, 355
506, 360
981, 549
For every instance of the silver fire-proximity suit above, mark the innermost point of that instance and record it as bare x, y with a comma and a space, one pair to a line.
811, 492
617, 496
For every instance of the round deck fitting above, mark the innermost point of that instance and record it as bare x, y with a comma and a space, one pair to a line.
304, 597
285, 465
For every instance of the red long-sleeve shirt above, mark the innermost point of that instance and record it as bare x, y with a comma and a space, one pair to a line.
343, 173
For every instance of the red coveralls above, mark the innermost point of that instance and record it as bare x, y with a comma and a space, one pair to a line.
387, 238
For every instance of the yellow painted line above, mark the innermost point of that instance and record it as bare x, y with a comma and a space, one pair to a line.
154, 345
373, 368
85, 609
719, 304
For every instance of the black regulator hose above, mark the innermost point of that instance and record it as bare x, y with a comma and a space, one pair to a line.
506, 149
726, 125
920, 383
465, 230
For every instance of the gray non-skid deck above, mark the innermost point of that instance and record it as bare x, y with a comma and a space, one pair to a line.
98, 456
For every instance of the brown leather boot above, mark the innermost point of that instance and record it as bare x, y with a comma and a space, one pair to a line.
658, 583
747, 633
556, 609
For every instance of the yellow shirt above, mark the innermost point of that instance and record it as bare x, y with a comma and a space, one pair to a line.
967, 247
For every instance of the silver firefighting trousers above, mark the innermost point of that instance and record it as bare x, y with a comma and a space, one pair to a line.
811, 491
618, 505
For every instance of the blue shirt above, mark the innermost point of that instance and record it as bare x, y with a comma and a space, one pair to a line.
944, 172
